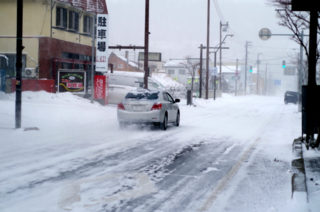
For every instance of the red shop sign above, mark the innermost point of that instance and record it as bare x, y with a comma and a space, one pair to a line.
99, 87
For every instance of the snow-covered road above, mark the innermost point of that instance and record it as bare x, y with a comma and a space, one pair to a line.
232, 154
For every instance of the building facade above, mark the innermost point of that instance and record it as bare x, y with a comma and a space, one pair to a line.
57, 34
178, 71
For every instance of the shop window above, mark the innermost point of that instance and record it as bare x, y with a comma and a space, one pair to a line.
61, 17
73, 21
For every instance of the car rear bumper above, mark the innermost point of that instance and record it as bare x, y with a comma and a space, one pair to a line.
153, 116
293, 100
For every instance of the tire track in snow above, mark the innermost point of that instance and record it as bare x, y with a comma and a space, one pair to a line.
222, 184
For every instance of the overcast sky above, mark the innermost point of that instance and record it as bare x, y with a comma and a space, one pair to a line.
178, 27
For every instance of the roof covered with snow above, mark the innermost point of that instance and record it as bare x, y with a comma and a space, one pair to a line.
174, 63
131, 63
228, 69
95, 6
128, 73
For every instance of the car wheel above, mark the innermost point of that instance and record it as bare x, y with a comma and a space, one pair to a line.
177, 122
285, 102
164, 124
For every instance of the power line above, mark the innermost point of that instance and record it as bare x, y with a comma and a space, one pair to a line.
272, 47
216, 5
271, 59
220, 14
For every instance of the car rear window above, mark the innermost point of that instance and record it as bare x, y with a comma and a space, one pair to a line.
292, 93
149, 95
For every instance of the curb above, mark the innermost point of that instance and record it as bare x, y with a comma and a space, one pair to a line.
298, 180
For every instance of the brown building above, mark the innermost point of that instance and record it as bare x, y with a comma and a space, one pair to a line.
121, 63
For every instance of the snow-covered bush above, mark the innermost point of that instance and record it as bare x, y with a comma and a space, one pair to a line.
176, 89
177, 92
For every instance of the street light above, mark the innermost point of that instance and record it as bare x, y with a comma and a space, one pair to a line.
215, 65
220, 57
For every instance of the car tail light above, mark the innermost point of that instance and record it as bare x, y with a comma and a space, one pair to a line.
120, 106
156, 106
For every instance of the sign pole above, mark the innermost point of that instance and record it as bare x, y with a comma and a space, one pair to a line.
92, 60
146, 45
236, 78
19, 62
200, 87
207, 54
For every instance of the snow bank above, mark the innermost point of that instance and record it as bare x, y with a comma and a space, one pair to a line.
166, 80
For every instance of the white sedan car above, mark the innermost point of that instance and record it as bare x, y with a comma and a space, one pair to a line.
148, 106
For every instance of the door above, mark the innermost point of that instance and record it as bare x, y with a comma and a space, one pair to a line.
2, 80
171, 116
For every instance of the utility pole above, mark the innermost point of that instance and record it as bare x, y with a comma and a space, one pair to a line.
127, 57
246, 64
311, 88
146, 46
207, 59
300, 74
19, 49
201, 58
265, 79
258, 76
236, 79
200, 86
220, 56
214, 77
269, 86
220, 61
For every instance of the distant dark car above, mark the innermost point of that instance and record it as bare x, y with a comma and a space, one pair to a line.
291, 97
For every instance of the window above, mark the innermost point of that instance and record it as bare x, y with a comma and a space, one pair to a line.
167, 97
149, 95
170, 71
152, 85
61, 18
73, 21
87, 24
181, 71
120, 65
65, 55
11, 66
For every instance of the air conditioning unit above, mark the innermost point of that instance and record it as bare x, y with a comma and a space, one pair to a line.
30, 72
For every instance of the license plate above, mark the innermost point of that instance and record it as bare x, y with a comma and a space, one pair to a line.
137, 107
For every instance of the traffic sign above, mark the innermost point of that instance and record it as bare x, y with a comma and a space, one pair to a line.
265, 34
214, 71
